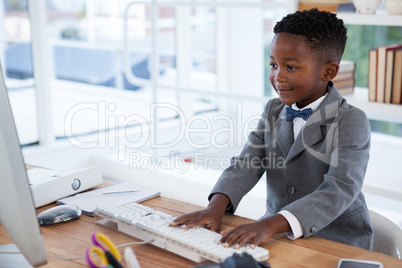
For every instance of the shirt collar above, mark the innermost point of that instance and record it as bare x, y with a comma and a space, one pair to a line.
312, 105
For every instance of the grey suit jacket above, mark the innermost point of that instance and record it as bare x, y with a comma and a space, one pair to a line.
318, 177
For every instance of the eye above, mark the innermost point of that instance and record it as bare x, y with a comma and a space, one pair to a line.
273, 65
290, 67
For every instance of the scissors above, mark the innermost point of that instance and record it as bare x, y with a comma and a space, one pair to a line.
107, 254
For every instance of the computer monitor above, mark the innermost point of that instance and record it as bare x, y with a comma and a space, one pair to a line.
17, 209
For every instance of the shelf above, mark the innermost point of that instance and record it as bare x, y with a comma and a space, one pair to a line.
376, 111
381, 18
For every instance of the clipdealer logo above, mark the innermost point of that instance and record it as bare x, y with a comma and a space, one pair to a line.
113, 128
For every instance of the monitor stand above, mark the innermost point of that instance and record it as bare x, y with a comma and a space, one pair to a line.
13, 257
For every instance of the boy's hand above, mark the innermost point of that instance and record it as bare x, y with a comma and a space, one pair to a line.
256, 232
211, 217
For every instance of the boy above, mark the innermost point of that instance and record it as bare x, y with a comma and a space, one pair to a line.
323, 140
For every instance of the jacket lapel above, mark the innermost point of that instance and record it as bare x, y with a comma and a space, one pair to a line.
284, 133
312, 133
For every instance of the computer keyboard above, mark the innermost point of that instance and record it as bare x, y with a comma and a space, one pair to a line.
196, 244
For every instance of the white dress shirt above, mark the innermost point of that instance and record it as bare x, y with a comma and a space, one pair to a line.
298, 124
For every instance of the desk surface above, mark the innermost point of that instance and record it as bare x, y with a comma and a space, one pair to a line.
72, 238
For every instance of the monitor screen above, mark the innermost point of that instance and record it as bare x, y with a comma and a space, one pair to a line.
17, 210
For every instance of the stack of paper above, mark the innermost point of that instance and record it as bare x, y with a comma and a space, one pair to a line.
109, 196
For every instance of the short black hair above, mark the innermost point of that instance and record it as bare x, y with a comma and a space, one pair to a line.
322, 31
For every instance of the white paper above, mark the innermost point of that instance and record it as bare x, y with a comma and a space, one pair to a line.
88, 201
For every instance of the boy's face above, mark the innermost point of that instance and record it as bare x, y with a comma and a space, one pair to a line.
295, 74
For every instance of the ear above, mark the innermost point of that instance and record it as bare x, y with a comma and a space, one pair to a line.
330, 70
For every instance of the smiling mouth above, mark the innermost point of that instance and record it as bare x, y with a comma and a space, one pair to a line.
283, 90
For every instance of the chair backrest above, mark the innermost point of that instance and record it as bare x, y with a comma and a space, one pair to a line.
387, 236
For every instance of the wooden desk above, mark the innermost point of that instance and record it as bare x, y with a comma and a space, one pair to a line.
73, 238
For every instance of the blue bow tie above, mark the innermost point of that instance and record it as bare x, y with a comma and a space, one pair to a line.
291, 114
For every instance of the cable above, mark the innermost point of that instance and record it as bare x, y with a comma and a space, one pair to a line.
6, 252
65, 258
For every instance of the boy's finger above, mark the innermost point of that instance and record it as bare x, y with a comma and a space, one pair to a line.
231, 237
247, 236
225, 235
195, 222
181, 220
256, 241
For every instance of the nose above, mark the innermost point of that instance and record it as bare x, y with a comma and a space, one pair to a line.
279, 75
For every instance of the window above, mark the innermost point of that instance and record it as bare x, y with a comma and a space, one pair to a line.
16, 63
210, 56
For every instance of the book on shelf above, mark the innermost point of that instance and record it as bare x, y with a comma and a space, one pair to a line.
329, 7
345, 75
328, 2
345, 79
344, 83
372, 75
397, 78
389, 75
382, 57
345, 86
346, 66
